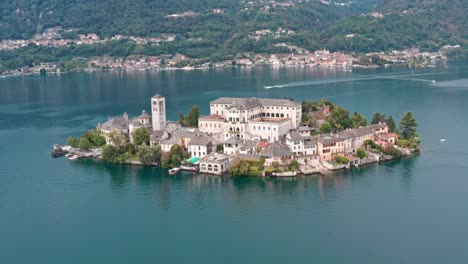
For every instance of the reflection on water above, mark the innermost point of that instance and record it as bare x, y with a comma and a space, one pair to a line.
152, 181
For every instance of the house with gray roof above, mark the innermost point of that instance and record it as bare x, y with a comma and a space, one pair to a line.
232, 145
141, 121
301, 145
277, 153
119, 123
200, 146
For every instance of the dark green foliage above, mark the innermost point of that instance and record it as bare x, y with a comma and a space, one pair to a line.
42, 72
181, 118
73, 142
240, 168
192, 118
392, 151
293, 165
326, 128
90, 139
391, 124
148, 155
361, 153
111, 153
358, 120
94, 137
84, 144
408, 126
174, 157
341, 159
378, 118
141, 137
428, 24
247, 168
403, 143
340, 119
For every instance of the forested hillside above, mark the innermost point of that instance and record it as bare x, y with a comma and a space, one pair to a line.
201, 32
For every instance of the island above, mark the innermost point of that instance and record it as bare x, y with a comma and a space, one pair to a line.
248, 137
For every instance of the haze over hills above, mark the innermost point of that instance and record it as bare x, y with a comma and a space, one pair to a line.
216, 29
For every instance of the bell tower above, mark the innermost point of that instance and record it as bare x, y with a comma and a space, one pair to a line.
158, 112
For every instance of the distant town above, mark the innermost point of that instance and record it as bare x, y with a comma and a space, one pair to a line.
297, 57
248, 136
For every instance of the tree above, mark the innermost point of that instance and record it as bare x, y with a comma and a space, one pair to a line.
392, 151
361, 153
293, 164
340, 118
42, 72
378, 118
110, 153
116, 138
358, 120
94, 137
408, 126
73, 142
84, 144
141, 136
391, 124
192, 117
326, 128
181, 119
174, 157
148, 155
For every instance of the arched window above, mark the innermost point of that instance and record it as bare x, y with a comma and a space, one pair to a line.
210, 168
216, 168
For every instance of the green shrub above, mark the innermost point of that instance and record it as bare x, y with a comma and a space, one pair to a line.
403, 143
73, 142
341, 159
361, 153
84, 144
392, 151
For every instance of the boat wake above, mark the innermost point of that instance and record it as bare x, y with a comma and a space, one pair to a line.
404, 77
274, 86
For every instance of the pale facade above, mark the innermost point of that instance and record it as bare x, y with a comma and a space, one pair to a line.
216, 164
198, 150
301, 145
330, 146
158, 111
248, 118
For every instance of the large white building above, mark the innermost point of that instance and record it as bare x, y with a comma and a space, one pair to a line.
251, 118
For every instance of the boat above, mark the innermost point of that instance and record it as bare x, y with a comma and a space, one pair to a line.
188, 168
434, 81
73, 157
442, 140
174, 171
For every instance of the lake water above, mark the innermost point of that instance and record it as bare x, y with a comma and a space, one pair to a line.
60, 211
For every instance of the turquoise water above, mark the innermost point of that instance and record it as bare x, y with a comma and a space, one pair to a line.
59, 211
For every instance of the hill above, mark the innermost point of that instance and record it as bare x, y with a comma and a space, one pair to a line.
217, 29
398, 24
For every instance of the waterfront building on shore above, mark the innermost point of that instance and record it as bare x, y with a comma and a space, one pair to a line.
217, 164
